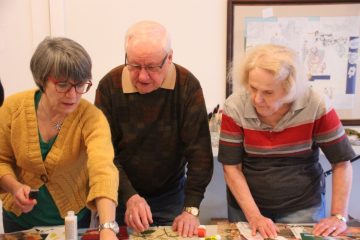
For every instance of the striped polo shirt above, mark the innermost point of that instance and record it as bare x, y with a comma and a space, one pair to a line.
281, 164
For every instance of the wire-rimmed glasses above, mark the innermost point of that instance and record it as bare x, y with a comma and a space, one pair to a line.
147, 68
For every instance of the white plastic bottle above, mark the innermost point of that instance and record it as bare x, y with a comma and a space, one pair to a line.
71, 232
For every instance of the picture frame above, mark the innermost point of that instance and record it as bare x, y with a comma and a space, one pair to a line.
240, 11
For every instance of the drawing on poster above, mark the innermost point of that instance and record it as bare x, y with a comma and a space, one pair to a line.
328, 47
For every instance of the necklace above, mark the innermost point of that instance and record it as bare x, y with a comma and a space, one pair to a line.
54, 124
57, 125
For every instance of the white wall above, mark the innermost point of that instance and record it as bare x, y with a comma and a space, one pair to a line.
23, 23
198, 30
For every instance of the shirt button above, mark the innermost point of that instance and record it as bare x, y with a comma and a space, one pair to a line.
44, 178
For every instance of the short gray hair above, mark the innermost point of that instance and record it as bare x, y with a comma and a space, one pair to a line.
61, 58
150, 30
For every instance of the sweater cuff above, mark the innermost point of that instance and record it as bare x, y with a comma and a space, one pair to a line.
192, 201
126, 192
126, 189
108, 189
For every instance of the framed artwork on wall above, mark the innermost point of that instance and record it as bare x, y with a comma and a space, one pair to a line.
325, 34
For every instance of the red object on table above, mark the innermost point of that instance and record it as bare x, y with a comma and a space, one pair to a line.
201, 231
93, 234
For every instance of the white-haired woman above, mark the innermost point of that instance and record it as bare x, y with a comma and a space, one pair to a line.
270, 138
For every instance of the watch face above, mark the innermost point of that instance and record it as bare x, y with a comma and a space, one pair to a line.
194, 211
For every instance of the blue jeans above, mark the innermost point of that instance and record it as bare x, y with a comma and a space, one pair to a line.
164, 208
308, 215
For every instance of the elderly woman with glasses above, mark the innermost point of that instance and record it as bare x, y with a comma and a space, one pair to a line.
57, 143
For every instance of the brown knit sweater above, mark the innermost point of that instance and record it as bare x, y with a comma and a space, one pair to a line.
156, 135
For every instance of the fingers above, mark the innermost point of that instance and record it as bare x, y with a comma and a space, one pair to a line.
138, 214
136, 222
324, 230
267, 231
273, 230
186, 225
141, 219
26, 206
337, 231
329, 226
270, 230
188, 230
21, 199
262, 231
148, 214
253, 230
264, 226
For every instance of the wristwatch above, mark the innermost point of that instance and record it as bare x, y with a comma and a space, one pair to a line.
110, 225
340, 217
192, 210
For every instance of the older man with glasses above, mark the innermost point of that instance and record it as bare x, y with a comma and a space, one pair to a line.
160, 133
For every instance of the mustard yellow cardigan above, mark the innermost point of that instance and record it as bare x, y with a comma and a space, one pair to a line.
79, 166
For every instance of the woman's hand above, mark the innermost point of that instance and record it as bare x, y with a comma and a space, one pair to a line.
265, 226
22, 200
329, 226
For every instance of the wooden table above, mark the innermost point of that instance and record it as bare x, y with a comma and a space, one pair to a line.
229, 231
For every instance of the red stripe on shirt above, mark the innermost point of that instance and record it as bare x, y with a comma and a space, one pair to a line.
269, 139
229, 126
328, 123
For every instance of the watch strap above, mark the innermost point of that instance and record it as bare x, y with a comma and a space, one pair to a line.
110, 225
192, 210
340, 217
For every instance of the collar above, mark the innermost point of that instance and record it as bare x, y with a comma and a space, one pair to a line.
168, 83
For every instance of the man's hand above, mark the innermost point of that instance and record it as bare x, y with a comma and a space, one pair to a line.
265, 226
329, 226
186, 224
138, 214
22, 200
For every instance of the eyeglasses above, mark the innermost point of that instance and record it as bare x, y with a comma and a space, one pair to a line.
147, 68
65, 86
